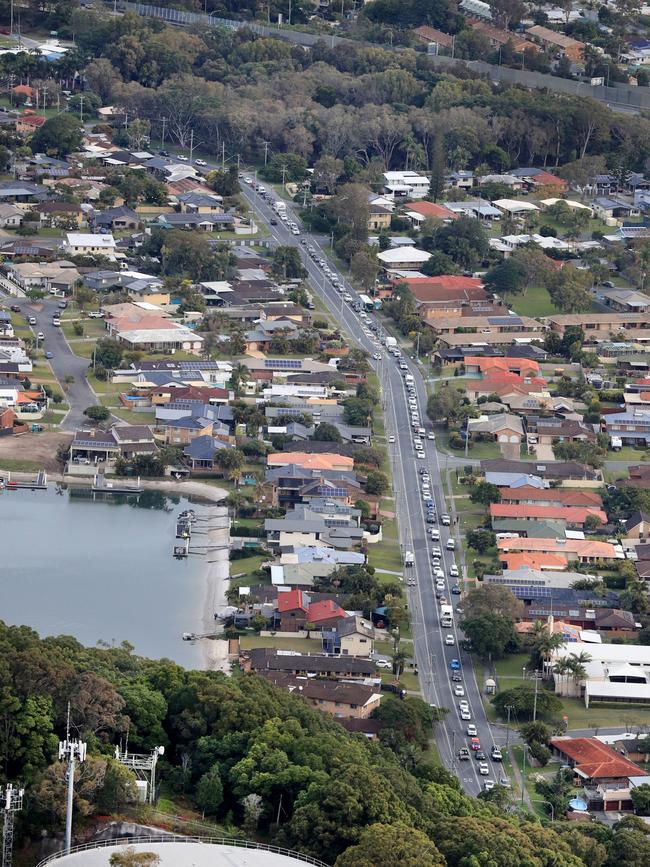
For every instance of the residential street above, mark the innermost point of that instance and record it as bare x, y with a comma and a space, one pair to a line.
432, 655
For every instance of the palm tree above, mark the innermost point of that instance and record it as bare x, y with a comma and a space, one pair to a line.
239, 376
399, 658
545, 645
561, 667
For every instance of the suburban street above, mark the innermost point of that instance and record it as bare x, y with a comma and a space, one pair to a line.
433, 657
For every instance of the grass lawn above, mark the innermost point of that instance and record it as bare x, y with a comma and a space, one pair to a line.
509, 669
603, 715
407, 680
476, 451
247, 522
529, 774
102, 387
82, 348
534, 301
301, 645
91, 327
386, 554
628, 453
241, 570
20, 466
432, 755
135, 417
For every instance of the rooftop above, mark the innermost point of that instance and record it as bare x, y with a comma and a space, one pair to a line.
594, 759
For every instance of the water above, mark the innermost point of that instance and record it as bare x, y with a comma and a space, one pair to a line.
100, 569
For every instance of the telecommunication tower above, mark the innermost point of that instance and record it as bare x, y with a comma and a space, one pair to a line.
143, 765
12, 801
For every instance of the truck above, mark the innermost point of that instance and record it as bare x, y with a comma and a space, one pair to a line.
409, 559
280, 207
391, 341
446, 615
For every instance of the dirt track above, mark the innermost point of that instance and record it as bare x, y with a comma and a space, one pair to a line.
38, 447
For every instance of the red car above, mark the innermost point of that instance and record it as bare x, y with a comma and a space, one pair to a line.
475, 743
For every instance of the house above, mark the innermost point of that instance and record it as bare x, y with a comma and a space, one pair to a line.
354, 636
201, 451
60, 275
117, 219
9, 391
628, 428
498, 37
28, 123
10, 217
561, 470
606, 776
340, 699
200, 221
431, 36
309, 664
624, 300
504, 383
583, 550
598, 326
197, 202
80, 244
516, 207
488, 366
406, 185
460, 180
22, 191
478, 209
504, 427
403, 258
433, 293
552, 430
321, 462
534, 179
572, 516
51, 212
637, 526
126, 441
379, 218
419, 212
563, 45
552, 497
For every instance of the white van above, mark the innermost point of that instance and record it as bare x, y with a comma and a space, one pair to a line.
451, 545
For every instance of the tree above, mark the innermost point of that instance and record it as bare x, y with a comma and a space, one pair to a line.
209, 791
327, 171
485, 493
464, 241
492, 599
325, 432
536, 732
438, 165
481, 540
506, 278
230, 460
490, 635
108, 353
384, 845
59, 135
592, 523
365, 267
97, 413
522, 701
226, 183
445, 404
351, 210
189, 254
376, 483
439, 263
118, 788
287, 264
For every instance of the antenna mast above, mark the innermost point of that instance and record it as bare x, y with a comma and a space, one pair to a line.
13, 801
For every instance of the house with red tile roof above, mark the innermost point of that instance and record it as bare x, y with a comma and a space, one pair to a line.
605, 774
583, 550
306, 460
504, 383
295, 609
428, 35
552, 496
325, 614
573, 516
418, 212
513, 560
444, 287
29, 123
497, 364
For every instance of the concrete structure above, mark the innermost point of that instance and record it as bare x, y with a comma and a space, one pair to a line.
613, 673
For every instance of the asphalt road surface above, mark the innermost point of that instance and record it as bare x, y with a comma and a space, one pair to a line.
432, 654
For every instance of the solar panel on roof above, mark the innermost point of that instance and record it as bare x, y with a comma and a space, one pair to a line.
504, 320
281, 363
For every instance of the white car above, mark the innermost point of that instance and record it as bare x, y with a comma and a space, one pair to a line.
471, 731
420, 456
436, 552
391, 439
453, 571
438, 573
488, 785
377, 356
464, 704
383, 663
431, 435
183, 158
483, 769
446, 520
200, 162
459, 690
449, 639
295, 231
465, 715
440, 584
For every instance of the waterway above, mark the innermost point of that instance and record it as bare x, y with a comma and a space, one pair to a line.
101, 569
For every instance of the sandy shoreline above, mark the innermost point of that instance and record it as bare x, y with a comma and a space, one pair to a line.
217, 573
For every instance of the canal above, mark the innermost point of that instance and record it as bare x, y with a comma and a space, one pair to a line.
101, 569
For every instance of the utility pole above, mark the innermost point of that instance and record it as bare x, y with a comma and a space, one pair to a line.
164, 121
191, 143
535, 699
11, 19
266, 151
223, 156
284, 172
70, 751
508, 708
13, 801
81, 108
523, 778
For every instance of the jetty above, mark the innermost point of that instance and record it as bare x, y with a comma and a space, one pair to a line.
13, 483
102, 486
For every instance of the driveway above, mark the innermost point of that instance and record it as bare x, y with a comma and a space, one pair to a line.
544, 452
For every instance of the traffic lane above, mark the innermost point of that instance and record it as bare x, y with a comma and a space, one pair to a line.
414, 502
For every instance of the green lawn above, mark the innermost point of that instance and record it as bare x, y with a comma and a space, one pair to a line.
135, 417
534, 301
82, 348
476, 450
628, 453
407, 680
386, 554
510, 669
20, 466
102, 387
91, 327
242, 570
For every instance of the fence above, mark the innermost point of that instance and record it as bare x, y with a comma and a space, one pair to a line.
210, 841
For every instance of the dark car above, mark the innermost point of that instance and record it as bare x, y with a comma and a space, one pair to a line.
164, 153
457, 678
15, 308
456, 590
273, 222
480, 756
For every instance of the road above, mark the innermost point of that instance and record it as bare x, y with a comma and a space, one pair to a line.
64, 362
432, 655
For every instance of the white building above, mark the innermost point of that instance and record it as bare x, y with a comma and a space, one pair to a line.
406, 185
614, 673
403, 258
161, 339
88, 244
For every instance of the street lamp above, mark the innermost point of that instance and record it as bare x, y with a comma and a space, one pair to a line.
543, 801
